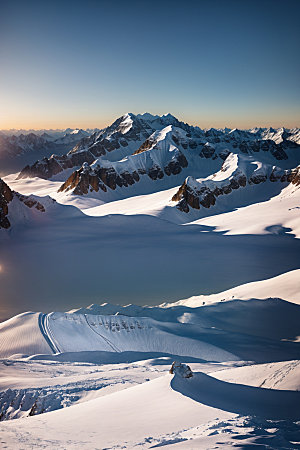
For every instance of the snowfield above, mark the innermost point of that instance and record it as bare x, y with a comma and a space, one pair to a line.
185, 245
88, 379
192, 413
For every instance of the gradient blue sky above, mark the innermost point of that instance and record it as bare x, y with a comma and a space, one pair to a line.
209, 62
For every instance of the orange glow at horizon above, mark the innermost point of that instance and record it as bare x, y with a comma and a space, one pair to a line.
32, 124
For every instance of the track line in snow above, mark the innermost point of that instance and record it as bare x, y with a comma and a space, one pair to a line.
46, 332
113, 346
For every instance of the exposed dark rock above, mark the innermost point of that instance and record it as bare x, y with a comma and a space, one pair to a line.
257, 179
145, 146
207, 151
192, 144
223, 154
278, 153
30, 202
192, 194
175, 166
155, 172
82, 181
254, 146
243, 146
294, 177
6, 196
48, 167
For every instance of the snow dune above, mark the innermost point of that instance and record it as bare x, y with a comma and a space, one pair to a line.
60, 333
22, 335
239, 399
76, 332
152, 414
257, 330
284, 375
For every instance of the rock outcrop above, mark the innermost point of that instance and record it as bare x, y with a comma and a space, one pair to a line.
183, 370
134, 134
241, 172
156, 158
92, 178
7, 196
124, 131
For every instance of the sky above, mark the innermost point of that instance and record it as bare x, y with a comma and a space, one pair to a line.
211, 63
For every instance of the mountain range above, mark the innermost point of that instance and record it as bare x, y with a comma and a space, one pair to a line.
19, 147
184, 242
146, 154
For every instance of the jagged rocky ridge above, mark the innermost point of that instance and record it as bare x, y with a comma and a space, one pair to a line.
237, 172
121, 133
6, 200
6, 197
167, 152
158, 157
133, 134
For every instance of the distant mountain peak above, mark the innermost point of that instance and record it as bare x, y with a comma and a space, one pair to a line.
147, 116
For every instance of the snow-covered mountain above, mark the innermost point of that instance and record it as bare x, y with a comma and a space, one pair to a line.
237, 172
132, 134
72, 136
142, 178
108, 360
12, 146
21, 148
202, 226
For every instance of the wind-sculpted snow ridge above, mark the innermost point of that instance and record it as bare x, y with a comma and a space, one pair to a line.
131, 134
200, 411
160, 156
61, 332
254, 330
239, 399
271, 318
21, 335
237, 172
284, 286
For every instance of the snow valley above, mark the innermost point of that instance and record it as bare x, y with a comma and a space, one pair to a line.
200, 225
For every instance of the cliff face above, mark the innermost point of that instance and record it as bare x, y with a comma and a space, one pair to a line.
167, 152
6, 197
6, 203
48, 167
89, 179
241, 172
120, 135
131, 135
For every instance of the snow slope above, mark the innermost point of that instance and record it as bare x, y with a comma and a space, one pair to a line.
285, 286
256, 330
158, 413
280, 375
150, 256
278, 215
22, 335
131, 244
76, 333
275, 208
